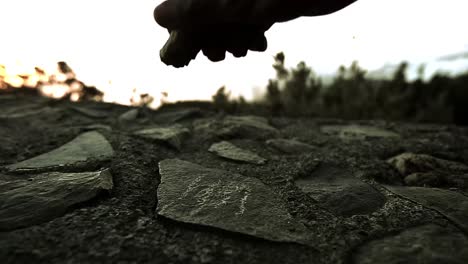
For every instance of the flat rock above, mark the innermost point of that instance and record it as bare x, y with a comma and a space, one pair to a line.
171, 117
90, 112
358, 132
254, 127
128, 116
193, 194
228, 150
172, 135
47, 196
452, 205
340, 192
290, 146
25, 111
87, 147
424, 244
426, 170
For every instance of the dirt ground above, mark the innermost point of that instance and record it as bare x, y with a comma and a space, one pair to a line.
395, 222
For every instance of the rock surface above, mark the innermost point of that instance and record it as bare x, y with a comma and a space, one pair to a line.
423, 244
425, 170
238, 127
228, 150
193, 194
347, 203
338, 191
451, 204
290, 146
128, 116
43, 197
172, 135
87, 147
358, 131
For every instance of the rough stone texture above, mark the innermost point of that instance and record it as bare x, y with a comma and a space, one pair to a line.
172, 135
290, 146
124, 227
87, 147
426, 170
193, 194
451, 204
230, 151
338, 191
358, 132
238, 127
423, 244
46, 196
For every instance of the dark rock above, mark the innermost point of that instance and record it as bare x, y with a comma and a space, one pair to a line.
358, 132
424, 244
128, 116
89, 112
425, 179
340, 192
193, 194
426, 170
451, 204
254, 127
230, 151
177, 115
290, 146
172, 135
46, 196
26, 111
87, 147
408, 163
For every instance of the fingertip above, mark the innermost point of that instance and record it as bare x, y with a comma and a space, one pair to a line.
238, 52
259, 43
214, 54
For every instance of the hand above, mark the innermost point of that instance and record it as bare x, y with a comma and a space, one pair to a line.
236, 26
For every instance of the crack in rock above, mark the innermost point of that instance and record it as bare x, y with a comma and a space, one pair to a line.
193, 194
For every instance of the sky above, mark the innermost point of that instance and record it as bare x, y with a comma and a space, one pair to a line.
114, 44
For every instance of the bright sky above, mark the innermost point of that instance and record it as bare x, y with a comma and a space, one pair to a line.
118, 40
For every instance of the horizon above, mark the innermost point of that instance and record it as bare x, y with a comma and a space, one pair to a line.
119, 55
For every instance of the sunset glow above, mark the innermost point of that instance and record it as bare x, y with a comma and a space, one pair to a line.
114, 45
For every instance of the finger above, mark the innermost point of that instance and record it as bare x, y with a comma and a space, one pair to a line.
214, 54
238, 52
168, 14
258, 42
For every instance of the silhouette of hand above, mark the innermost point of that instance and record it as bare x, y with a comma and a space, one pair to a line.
236, 26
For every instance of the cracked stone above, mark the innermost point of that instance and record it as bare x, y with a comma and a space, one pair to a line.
46, 196
451, 204
86, 148
172, 135
358, 132
423, 244
193, 194
340, 192
228, 150
290, 146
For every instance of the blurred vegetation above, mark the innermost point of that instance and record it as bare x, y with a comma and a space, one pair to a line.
352, 95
